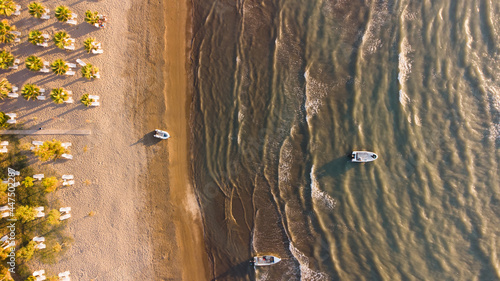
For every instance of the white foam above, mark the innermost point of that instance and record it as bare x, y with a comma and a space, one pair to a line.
306, 273
320, 197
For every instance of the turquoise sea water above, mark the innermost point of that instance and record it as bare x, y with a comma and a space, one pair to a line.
284, 90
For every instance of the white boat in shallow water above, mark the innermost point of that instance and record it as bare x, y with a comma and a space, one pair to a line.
265, 260
363, 156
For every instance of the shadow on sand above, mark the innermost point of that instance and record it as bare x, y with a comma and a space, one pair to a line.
148, 139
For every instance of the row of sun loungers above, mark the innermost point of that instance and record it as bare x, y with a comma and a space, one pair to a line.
40, 275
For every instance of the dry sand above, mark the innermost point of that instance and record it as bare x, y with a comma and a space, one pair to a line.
146, 225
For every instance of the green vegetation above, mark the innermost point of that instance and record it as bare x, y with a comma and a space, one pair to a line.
59, 67
3, 120
63, 13
50, 184
7, 7
6, 59
5, 88
34, 63
30, 91
36, 9
85, 100
6, 35
91, 17
61, 39
25, 213
53, 217
35, 37
50, 150
88, 44
89, 71
59, 95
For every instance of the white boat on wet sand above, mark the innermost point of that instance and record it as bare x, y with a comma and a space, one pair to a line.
161, 134
363, 156
265, 260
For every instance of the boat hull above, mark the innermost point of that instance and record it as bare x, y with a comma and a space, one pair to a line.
265, 260
363, 156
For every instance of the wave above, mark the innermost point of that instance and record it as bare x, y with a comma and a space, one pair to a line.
306, 273
320, 197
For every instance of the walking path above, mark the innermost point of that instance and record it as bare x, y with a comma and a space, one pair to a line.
45, 132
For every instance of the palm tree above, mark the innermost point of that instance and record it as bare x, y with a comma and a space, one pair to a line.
34, 63
89, 71
6, 59
88, 44
59, 95
59, 67
3, 120
63, 13
86, 100
61, 39
91, 17
5, 88
6, 35
36, 9
35, 37
30, 91
7, 7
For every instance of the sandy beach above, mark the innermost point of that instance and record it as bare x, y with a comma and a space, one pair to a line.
146, 224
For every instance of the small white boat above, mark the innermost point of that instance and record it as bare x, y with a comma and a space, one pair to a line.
363, 156
161, 134
265, 260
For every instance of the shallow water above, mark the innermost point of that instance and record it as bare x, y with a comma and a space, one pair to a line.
284, 90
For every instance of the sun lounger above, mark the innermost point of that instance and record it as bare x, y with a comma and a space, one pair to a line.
40, 214
39, 239
100, 51
45, 44
95, 103
40, 246
67, 156
64, 217
42, 90
17, 33
45, 16
18, 11
67, 177
37, 142
4, 143
70, 100
64, 274
44, 70
41, 278
4, 238
68, 183
93, 97
46, 36
17, 40
65, 209
39, 209
15, 67
13, 95
97, 75
41, 97
11, 115
5, 214
80, 62
16, 184
39, 272
73, 22
39, 176
4, 150
14, 89
11, 121
4, 208
70, 47
70, 72
66, 144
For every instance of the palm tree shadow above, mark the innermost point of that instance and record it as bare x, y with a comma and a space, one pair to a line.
336, 167
239, 271
148, 139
